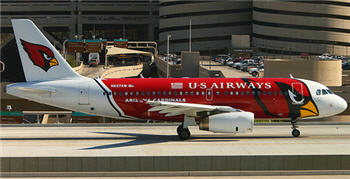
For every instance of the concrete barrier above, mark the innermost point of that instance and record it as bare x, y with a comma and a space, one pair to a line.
175, 163
327, 72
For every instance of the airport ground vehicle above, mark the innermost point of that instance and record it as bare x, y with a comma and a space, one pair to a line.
230, 62
94, 59
223, 105
255, 71
346, 66
221, 57
238, 65
246, 67
239, 59
325, 56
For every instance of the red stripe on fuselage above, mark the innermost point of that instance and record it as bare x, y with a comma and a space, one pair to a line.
132, 94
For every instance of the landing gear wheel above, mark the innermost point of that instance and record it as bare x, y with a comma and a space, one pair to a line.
295, 132
184, 134
179, 129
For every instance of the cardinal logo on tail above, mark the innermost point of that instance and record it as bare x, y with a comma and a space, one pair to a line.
40, 55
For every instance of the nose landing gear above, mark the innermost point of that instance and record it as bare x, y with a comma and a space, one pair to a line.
295, 131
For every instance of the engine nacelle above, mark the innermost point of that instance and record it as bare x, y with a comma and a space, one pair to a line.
232, 122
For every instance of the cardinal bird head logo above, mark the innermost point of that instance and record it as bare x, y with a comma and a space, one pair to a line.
40, 55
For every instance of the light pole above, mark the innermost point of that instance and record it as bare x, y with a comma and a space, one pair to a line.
64, 49
190, 38
167, 45
168, 56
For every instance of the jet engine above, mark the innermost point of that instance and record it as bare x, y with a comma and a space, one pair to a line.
232, 122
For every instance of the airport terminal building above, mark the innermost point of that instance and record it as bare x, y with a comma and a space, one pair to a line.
276, 27
60, 20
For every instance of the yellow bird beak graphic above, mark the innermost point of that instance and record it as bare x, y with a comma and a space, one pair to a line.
53, 62
308, 110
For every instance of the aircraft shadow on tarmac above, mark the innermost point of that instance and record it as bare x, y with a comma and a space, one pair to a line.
143, 139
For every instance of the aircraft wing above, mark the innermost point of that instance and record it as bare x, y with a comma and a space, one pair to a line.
189, 109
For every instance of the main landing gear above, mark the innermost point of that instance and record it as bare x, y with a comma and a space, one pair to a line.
182, 131
295, 131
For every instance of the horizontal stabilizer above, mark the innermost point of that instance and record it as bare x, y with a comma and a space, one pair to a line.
36, 90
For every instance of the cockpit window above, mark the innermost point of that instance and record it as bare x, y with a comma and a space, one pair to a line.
324, 92
329, 91
318, 92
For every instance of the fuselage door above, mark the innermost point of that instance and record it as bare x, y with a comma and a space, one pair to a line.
209, 94
297, 95
84, 94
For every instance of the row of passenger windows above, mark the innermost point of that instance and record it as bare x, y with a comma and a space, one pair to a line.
323, 92
197, 93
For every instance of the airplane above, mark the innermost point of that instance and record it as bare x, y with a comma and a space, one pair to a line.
219, 105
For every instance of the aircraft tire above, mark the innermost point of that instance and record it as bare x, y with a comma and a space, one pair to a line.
296, 133
184, 134
255, 73
179, 128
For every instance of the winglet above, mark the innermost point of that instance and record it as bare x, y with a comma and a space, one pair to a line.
291, 76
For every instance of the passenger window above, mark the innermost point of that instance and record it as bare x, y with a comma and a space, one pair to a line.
126, 93
137, 93
270, 93
131, 93
120, 93
253, 93
164, 93
226, 93
264, 93
180, 93
186, 93
231, 93
275, 93
242, 93
281, 92
159, 93
218, 93
142, 93
170, 93
248, 92
237, 93
192, 93
259, 92
324, 92
153, 93
197, 93
175, 93
203, 93
115, 93
318, 92
286, 93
